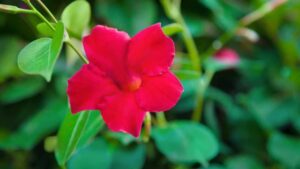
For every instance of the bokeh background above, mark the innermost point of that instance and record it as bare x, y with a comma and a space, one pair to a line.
252, 109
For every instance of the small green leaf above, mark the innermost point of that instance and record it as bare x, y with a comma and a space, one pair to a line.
45, 30
39, 57
37, 127
76, 17
285, 149
69, 135
186, 142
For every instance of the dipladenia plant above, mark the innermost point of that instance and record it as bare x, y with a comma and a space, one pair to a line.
125, 78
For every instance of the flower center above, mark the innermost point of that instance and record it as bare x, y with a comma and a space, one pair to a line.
133, 84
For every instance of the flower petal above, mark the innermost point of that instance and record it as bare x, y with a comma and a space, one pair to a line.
150, 51
159, 93
88, 87
106, 48
122, 114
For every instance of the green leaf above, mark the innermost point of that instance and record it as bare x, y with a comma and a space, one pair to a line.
45, 30
96, 155
39, 57
243, 162
37, 127
129, 157
285, 149
69, 135
108, 155
76, 17
21, 89
94, 124
186, 142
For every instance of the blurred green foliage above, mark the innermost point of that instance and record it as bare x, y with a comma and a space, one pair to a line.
252, 111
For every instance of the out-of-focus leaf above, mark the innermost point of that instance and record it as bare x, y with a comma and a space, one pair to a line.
285, 149
94, 124
223, 17
45, 30
129, 158
119, 13
39, 57
76, 17
99, 154
186, 142
271, 112
9, 47
243, 162
104, 155
69, 135
21, 89
187, 101
34, 129
213, 166
195, 25
296, 121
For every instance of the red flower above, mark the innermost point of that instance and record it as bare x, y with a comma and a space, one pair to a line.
227, 56
126, 77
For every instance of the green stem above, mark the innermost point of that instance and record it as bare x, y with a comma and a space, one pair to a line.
190, 44
202, 86
161, 119
147, 123
47, 10
39, 14
68, 42
172, 10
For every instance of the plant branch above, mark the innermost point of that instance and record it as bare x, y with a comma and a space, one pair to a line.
203, 84
47, 10
83, 58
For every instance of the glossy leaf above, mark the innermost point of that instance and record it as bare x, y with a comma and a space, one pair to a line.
69, 135
39, 57
76, 17
186, 142
94, 124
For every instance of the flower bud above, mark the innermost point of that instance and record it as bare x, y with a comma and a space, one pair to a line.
227, 56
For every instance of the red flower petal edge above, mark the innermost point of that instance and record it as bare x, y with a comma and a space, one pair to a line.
126, 77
